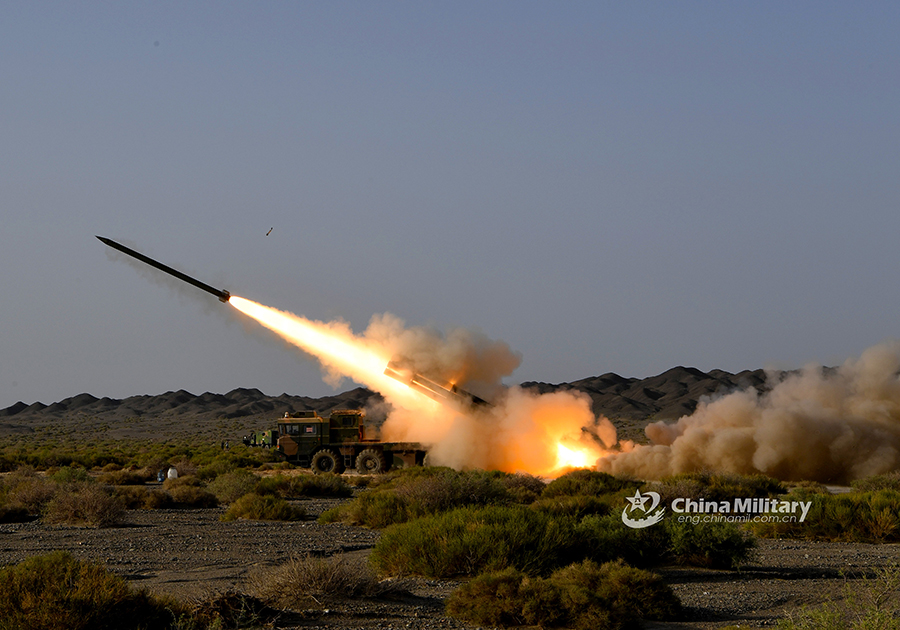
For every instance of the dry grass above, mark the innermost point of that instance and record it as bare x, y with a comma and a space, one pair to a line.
304, 580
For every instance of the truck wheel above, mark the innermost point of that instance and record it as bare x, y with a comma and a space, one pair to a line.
325, 461
370, 462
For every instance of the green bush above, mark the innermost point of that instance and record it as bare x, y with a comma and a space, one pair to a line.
123, 478
305, 485
421, 491
263, 508
231, 486
717, 487
888, 481
182, 481
467, 541
587, 482
85, 503
58, 592
191, 496
68, 474
713, 545
584, 596
578, 505
326, 485
867, 517
522, 487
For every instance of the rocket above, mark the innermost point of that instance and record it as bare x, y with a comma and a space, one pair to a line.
223, 295
441, 391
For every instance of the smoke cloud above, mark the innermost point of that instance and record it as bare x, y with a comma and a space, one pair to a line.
520, 432
820, 424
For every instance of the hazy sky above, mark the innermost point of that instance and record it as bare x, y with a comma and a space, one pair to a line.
621, 186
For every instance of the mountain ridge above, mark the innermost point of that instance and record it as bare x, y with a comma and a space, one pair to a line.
666, 396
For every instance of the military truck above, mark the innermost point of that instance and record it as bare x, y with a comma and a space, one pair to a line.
339, 442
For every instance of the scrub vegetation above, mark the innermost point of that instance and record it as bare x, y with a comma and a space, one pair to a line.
527, 552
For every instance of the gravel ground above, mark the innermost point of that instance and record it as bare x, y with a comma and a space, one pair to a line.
190, 554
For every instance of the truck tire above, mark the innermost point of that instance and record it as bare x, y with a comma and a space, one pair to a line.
325, 461
370, 462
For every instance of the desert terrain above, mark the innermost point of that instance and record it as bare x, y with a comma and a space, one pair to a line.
191, 554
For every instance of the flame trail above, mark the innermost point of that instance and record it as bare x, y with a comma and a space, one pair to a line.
540, 434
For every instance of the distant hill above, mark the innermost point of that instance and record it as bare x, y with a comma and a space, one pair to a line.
666, 396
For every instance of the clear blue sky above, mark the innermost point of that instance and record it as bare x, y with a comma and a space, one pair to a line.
614, 186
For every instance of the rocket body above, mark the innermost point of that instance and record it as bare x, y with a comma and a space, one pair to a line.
223, 295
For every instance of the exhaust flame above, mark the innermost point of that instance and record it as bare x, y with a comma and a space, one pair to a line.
572, 458
540, 434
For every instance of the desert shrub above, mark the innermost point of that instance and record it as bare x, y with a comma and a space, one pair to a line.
183, 480
69, 474
29, 491
584, 596
263, 508
14, 514
467, 541
523, 488
185, 467
85, 503
123, 478
372, 509
869, 605
507, 598
421, 491
587, 482
802, 490
717, 487
305, 485
327, 485
156, 500
888, 481
229, 609
714, 545
868, 517
192, 496
604, 538
578, 505
231, 486
58, 592
304, 580
132, 497
143, 498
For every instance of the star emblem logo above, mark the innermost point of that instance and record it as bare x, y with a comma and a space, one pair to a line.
638, 501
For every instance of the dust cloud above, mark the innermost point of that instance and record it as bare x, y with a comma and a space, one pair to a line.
831, 425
